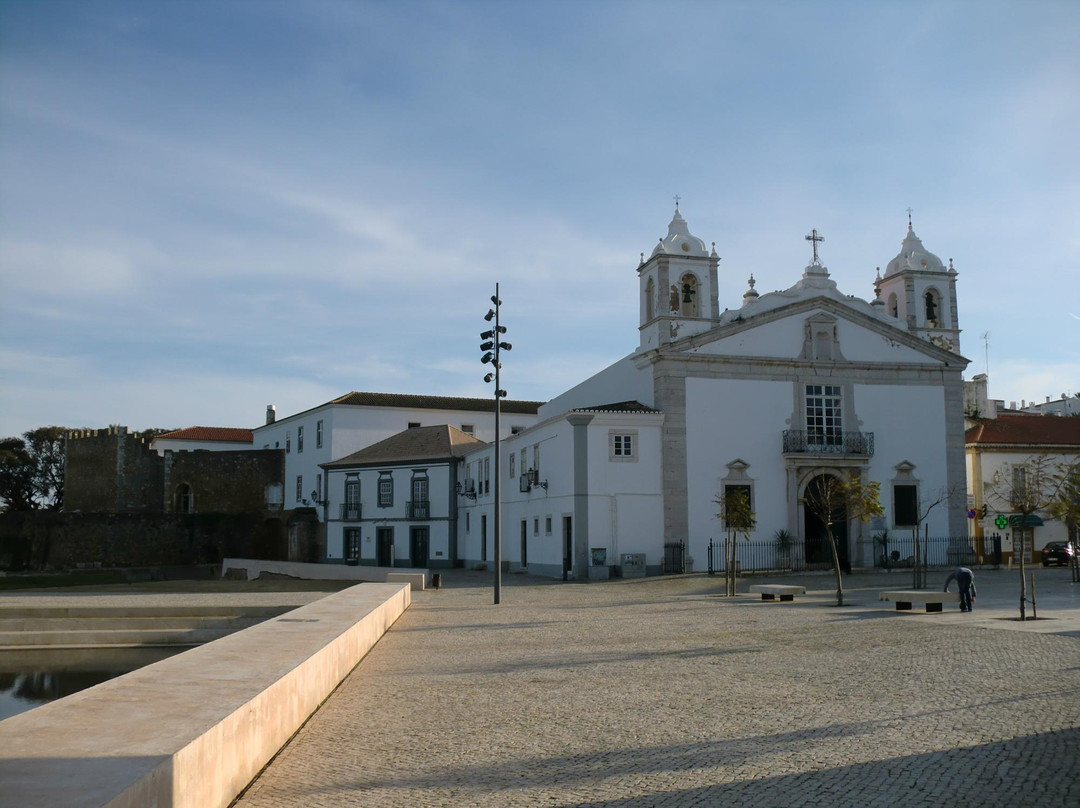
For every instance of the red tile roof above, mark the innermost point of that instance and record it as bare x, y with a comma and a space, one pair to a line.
226, 434
1027, 430
422, 443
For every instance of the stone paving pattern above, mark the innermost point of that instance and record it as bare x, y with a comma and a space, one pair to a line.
657, 692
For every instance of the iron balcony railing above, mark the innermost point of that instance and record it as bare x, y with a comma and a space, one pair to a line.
350, 512
799, 441
419, 509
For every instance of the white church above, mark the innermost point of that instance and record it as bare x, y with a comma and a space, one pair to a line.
765, 391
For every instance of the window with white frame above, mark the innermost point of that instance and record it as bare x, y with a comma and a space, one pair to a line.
299, 439
622, 444
824, 425
468, 429
512, 474
547, 525
386, 489
299, 487
536, 525
905, 505
318, 434
536, 458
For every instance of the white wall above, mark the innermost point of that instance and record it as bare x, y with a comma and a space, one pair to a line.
619, 382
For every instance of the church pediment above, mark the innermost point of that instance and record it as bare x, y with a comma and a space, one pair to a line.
814, 331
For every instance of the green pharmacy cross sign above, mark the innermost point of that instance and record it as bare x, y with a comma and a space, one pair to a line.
1002, 521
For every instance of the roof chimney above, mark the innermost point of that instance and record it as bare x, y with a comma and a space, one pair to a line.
271, 414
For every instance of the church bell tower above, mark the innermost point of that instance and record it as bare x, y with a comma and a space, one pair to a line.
678, 287
920, 291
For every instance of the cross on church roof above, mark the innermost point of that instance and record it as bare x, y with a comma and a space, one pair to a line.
677, 198
909, 212
814, 238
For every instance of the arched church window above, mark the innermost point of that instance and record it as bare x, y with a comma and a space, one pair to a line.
650, 293
892, 305
933, 307
688, 294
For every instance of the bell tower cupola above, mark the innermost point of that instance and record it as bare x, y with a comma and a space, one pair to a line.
920, 291
678, 287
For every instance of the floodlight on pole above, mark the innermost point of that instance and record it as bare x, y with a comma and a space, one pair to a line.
491, 347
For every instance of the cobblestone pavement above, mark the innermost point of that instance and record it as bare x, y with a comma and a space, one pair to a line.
656, 692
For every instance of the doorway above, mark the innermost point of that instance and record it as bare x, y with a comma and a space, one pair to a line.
524, 543
483, 537
418, 546
568, 547
384, 546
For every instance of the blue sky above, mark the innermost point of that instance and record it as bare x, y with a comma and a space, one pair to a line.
207, 207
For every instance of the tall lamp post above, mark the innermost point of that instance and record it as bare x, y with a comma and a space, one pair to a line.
491, 346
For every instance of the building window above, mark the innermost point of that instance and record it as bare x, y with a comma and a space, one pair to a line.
299, 488
414, 424
511, 475
622, 445
468, 521
318, 488
468, 429
905, 505
933, 307
536, 525
419, 508
352, 495
892, 306
536, 458
688, 291
823, 422
288, 442
650, 293
516, 430
352, 543
524, 462
299, 439
275, 494
386, 489
547, 525
487, 475
185, 500
318, 434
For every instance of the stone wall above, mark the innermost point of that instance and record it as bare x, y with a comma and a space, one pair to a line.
43, 540
223, 482
111, 470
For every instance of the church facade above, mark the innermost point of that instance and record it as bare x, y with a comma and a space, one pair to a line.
770, 393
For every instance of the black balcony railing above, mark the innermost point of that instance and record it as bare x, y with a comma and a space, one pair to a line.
798, 441
419, 509
350, 512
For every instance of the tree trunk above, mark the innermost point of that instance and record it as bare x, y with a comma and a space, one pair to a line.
836, 566
1023, 581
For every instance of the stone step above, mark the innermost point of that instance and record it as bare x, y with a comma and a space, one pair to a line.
125, 621
160, 610
102, 637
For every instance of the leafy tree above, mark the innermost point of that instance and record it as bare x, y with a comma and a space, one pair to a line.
738, 517
921, 513
32, 470
16, 475
1066, 507
837, 498
1025, 489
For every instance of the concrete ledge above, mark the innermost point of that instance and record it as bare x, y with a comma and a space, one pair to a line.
415, 579
254, 567
193, 730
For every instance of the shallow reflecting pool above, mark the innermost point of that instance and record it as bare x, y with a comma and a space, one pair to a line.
29, 679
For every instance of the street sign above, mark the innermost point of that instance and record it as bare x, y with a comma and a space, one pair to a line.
971, 513
1002, 521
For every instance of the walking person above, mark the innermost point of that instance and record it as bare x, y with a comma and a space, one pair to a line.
965, 580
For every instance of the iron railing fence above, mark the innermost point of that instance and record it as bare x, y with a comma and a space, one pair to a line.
674, 558
798, 441
418, 509
350, 512
897, 552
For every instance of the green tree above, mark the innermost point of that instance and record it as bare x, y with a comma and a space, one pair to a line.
32, 470
1066, 507
738, 518
837, 498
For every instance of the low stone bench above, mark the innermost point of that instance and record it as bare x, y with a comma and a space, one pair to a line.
933, 600
415, 579
782, 591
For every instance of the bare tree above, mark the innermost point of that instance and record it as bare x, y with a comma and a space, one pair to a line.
837, 498
1025, 489
922, 511
738, 517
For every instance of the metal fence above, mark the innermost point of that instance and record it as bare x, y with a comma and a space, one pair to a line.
897, 552
674, 558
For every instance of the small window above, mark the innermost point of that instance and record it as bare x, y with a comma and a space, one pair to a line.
468, 521
512, 475
318, 434
487, 475
622, 445
905, 505
515, 430
547, 525
318, 487
468, 429
288, 442
299, 488
386, 490
536, 458
274, 495
352, 494
414, 424
299, 439
185, 500
536, 525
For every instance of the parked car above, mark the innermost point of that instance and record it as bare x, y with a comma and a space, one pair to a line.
1057, 552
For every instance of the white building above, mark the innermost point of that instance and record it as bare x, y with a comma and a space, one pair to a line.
356, 420
770, 394
203, 439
